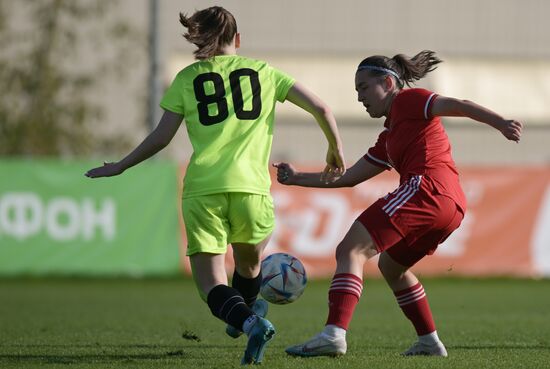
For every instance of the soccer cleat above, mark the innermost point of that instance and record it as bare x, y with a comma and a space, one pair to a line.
260, 334
320, 345
259, 308
418, 348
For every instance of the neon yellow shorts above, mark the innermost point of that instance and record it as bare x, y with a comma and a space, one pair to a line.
214, 221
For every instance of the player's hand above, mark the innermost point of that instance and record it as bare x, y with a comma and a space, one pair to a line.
107, 170
336, 165
286, 174
511, 129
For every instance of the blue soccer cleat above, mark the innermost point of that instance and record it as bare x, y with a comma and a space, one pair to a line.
259, 308
260, 334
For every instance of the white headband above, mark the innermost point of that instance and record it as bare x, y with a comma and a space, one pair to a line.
380, 69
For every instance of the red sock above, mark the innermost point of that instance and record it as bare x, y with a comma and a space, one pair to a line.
343, 295
415, 306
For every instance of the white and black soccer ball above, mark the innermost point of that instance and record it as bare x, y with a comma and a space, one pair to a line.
283, 278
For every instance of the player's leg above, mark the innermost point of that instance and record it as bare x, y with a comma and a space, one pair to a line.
224, 302
208, 230
413, 301
440, 217
247, 275
347, 283
344, 294
247, 278
252, 219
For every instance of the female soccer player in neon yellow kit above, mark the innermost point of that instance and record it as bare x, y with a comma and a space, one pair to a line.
228, 103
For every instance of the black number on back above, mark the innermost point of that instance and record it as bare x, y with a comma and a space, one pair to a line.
236, 91
204, 100
218, 97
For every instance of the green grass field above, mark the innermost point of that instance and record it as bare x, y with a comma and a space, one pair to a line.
62, 323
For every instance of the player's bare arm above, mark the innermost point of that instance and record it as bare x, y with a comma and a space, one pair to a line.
153, 143
450, 107
361, 171
300, 96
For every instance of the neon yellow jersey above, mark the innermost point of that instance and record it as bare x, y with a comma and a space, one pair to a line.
228, 102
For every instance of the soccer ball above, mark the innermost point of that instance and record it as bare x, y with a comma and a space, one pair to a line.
283, 278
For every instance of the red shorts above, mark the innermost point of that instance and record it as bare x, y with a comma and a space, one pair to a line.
412, 221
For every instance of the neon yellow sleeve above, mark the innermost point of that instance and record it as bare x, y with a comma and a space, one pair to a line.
173, 98
283, 83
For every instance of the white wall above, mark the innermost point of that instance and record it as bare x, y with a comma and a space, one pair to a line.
495, 51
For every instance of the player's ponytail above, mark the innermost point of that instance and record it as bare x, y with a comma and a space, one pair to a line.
210, 30
415, 68
405, 70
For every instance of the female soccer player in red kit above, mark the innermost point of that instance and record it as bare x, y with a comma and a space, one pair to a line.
406, 225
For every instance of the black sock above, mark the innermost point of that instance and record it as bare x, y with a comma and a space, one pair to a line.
228, 305
247, 287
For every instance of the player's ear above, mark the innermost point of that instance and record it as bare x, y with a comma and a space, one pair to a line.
389, 82
237, 40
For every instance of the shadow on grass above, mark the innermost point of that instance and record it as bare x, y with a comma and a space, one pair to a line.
501, 347
482, 346
97, 346
99, 353
89, 358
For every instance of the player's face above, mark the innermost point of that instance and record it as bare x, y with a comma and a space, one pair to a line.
372, 92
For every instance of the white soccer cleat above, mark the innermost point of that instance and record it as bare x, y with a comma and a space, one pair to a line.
320, 345
418, 348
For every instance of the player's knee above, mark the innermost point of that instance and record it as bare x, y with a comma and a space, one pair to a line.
345, 251
349, 251
248, 270
382, 266
388, 269
247, 265
341, 252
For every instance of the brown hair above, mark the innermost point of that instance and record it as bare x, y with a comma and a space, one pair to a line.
210, 30
406, 70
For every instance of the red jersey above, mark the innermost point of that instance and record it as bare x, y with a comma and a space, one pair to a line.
415, 143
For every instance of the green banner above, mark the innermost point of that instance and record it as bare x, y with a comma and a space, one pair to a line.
54, 220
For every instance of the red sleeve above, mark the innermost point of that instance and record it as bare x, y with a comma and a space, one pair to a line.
377, 154
413, 103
